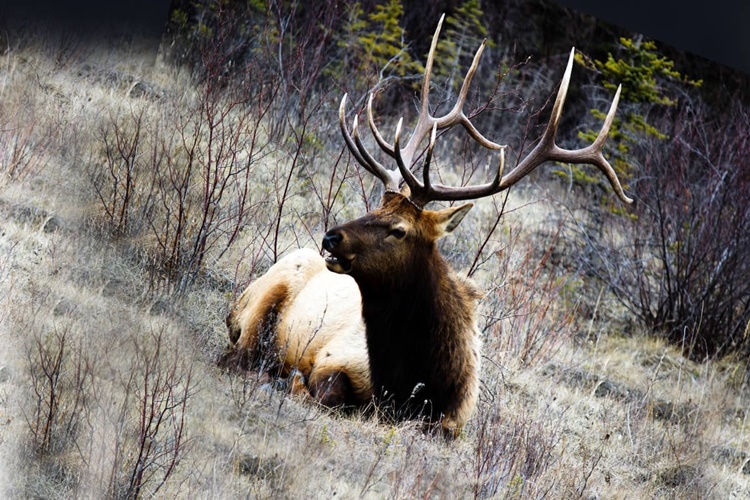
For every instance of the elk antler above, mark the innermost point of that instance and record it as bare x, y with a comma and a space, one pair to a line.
423, 192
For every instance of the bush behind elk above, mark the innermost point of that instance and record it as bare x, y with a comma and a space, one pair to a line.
422, 340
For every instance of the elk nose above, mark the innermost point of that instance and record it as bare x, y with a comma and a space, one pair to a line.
331, 239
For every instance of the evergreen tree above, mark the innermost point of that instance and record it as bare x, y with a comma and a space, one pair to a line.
462, 35
375, 45
649, 81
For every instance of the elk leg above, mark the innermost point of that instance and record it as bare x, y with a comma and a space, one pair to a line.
332, 389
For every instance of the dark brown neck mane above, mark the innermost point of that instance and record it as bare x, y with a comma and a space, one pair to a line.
415, 331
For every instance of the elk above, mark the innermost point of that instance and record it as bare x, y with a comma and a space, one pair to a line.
419, 315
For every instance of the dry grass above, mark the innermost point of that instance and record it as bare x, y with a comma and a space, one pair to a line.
92, 349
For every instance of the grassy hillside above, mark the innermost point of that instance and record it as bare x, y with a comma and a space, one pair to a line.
110, 334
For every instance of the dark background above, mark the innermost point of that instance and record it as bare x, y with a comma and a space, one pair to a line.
715, 29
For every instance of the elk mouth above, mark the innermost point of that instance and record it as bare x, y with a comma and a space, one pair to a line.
338, 263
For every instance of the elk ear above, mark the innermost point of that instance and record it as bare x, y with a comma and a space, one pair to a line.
449, 218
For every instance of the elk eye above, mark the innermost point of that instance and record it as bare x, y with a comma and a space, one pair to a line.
397, 233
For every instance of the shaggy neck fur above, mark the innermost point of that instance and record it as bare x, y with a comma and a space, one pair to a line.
420, 329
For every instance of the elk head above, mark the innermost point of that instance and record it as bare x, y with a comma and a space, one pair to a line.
374, 244
391, 235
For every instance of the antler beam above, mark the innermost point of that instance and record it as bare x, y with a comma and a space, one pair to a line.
423, 192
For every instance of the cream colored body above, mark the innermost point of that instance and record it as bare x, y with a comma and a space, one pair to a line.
319, 329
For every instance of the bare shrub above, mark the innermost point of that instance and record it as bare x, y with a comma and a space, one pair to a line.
529, 311
511, 454
61, 375
21, 150
24, 138
680, 264
205, 192
183, 179
151, 437
115, 185
135, 450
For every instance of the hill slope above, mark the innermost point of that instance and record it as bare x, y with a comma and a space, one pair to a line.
108, 383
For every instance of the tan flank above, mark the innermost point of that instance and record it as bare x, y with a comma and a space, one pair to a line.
312, 318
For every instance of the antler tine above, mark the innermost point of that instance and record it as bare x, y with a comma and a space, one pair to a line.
406, 172
425, 103
457, 115
390, 178
359, 152
375, 132
428, 159
598, 144
546, 146
348, 138
425, 119
547, 150
426, 123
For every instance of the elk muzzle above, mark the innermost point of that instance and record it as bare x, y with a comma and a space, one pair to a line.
336, 257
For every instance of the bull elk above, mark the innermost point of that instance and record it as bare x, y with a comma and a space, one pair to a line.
422, 339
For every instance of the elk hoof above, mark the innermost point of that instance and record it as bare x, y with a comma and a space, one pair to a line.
298, 384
